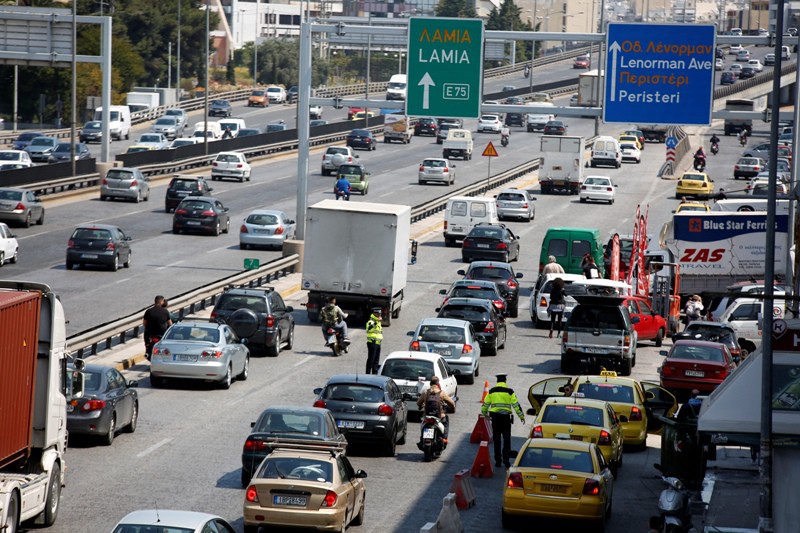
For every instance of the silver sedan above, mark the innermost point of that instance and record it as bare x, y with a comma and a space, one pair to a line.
200, 350
265, 227
515, 203
20, 206
436, 169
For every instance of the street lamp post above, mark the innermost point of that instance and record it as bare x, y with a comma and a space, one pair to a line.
178, 58
255, 43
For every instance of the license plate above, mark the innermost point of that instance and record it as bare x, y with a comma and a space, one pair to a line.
350, 424
594, 350
70, 408
695, 373
408, 388
262, 231
89, 256
186, 357
483, 246
427, 433
6, 206
192, 223
560, 489
440, 351
298, 501
458, 229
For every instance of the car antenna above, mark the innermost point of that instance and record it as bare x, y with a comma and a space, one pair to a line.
158, 517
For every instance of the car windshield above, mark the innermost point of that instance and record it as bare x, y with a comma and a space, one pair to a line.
350, 169
608, 392
64, 147
626, 146
174, 112
93, 125
228, 158
551, 458
572, 414
289, 423
693, 177
296, 468
510, 197
696, 353
91, 234
149, 138
486, 233
489, 118
257, 93
232, 302
465, 312
408, 369
462, 291
192, 333
434, 163
41, 141
488, 273
195, 205
360, 133
600, 318
597, 181
184, 185
441, 333
273, 89
165, 122
333, 151
10, 156
354, 392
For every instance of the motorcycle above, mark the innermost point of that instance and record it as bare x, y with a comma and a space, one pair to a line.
336, 341
343, 194
743, 138
431, 440
699, 163
504, 140
527, 72
674, 505
714, 148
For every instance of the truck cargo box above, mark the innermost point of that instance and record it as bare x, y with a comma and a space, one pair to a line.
19, 327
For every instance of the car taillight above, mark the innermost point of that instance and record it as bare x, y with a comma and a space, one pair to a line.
161, 351
421, 168
239, 165
591, 487
680, 183
349, 159
536, 432
252, 494
214, 164
467, 348
757, 167
251, 445
502, 246
243, 229
330, 499
605, 438
609, 189
489, 327
320, 403
181, 211
414, 346
721, 373
214, 315
636, 415
512, 283
542, 302
110, 246
104, 182
668, 370
445, 225
514, 480
19, 207
133, 184
70, 244
564, 338
208, 213
385, 410
525, 206
467, 244
541, 267
270, 321
626, 341
500, 304
211, 353
93, 405
445, 170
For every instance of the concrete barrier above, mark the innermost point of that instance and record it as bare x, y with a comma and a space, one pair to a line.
448, 521
291, 247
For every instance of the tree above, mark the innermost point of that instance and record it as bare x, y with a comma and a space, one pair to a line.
456, 8
508, 18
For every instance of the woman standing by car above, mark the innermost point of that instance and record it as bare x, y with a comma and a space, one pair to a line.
557, 303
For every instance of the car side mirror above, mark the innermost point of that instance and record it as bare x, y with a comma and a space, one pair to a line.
252, 425
317, 391
37, 199
635, 319
209, 189
128, 238
361, 474
442, 291
410, 333
663, 353
518, 275
461, 273
133, 383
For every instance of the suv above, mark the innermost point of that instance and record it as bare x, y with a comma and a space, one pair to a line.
503, 275
182, 186
599, 330
258, 315
488, 322
515, 119
335, 156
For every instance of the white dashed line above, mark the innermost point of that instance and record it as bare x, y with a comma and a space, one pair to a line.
153, 448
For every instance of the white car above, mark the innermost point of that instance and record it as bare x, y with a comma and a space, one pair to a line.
736, 67
436, 169
18, 158
630, 152
157, 140
597, 188
758, 187
276, 95
412, 371
169, 127
490, 123
743, 56
179, 114
230, 165
315, 112
9, 247
735, 49
756, 64
185, 141
720, 64
540, 300
170, 520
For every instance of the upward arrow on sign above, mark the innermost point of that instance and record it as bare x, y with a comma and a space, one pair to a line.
614, 48
427, 83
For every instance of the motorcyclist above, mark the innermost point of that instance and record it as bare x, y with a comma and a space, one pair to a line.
445, 401
700, 159
742, 137
333, 317
343, 188
714, 144
505, 135
527, 71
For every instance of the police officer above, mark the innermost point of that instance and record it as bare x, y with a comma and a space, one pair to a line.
500, 405
374, 338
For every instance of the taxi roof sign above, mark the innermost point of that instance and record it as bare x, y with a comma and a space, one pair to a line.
490, 151
608, 373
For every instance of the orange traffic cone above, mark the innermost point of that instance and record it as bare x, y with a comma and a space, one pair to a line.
485, 390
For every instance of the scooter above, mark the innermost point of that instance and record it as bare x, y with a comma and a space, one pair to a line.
714, 148
743, 138
431, 440
343, 194
527, 72
699, 163
504, 140
336, 341
674, 505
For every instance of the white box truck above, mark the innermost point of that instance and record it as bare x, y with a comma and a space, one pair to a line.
563, 159
589, 88
142, 101
357, 252
119, 125
397, 128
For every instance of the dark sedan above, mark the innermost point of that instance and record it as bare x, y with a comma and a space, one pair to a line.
488, 322
220, 108
555, 127
201, 213
92, 131
63, 151
503, 275
99, 244
490, 242
24, 139
283, 425
108, 405
361, 139
426, 126
368, 409
747, 72
475, 288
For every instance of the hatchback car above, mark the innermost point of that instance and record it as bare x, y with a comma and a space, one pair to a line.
490, 242
276, 95
9, 247
743, 56
356, 175
436, 169
127, 183
728, 78
489, 123
24, 139
109, 403
40, 148
455, 340
695, 184
172, 521
169, 127
201, 213
555, 127
368, 409
649, 325
64, 150
488, 322
21, 206
99, 244
157, 140
515, 203
179, 114
20, 158
769, 60
630, 152
748, 167
336, 156
558, 478
756, 64
582, 62
258, 98
266, 227
695, 364
412, 372
220, 108
203, 351
258, 315
597, 189
747, 72
475, 288
426, 126
276, 425
182, 186
540, 299
311, 488
361, 139
231, 165
503, 275
515, 119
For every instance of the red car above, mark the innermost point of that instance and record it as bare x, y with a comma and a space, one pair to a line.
649, 325
351, 112
693, 364
582, 62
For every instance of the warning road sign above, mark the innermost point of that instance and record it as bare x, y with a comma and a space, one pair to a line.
490, 151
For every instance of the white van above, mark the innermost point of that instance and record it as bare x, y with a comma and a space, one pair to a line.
786, 53
606, 151
214, 131
745, 316
463, 213
119, 124
235, 124
396, 88
397, 128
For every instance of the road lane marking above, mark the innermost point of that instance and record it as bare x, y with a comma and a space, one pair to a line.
153, 448
307, 358
123, 280
176, 263
215, 250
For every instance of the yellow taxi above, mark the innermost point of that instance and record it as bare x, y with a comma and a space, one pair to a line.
685, 207
697, 184
640, 402
139, 148
578, 418
305, 486
558, 478
630, 139
361, 115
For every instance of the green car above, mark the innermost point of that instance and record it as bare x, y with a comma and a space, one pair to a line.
357, 175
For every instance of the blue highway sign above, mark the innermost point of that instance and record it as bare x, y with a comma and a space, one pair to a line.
671, 142
659, 73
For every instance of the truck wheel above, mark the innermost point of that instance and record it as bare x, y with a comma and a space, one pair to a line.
385, 140
396, 313
12, 514
53, 496
626, 367
660, 337
387, 319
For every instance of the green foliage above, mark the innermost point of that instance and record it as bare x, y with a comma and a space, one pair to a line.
508, 18
456, 8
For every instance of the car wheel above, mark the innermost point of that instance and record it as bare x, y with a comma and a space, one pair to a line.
156, 381
41, 219
225, 384
274, 351
449, 242
131, 427
227, 226
127, 264
503, 345
514, 312
175, 230
217, 230
404, 435
626, 366
108, 438
660, 337
245, 480
583, 200
115, 264
290, 338
391, 446
70, 264
245, 371
359, 519
470, 378
28, 218
567, 366
15, 256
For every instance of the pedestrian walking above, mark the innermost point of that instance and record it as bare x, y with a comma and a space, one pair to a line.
558, 302
694, 308
500, 405
374, 338
552, 266
155, 322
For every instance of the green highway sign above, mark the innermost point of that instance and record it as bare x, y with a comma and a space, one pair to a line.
251, 263
445, 67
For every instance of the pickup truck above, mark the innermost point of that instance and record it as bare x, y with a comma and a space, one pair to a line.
458, 144
315, 112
